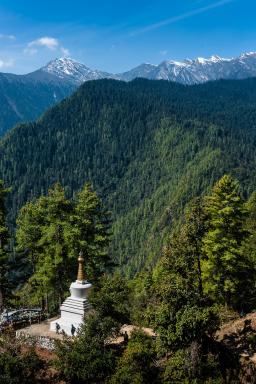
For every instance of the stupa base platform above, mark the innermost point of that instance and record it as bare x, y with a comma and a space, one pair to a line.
64, 326
41, 329
41, 334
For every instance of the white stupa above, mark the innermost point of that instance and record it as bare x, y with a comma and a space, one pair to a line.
75, 307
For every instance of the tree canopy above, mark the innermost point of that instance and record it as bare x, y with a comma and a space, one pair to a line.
52, 230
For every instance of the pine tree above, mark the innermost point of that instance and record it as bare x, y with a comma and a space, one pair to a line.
4, 237
56, 264
90, 231
52, 231
247, 290
178, 310
224, 260
42, 231
194, 230
30, 222
111, 298
251, 225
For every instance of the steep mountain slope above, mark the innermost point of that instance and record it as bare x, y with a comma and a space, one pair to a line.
25, 97
73, 71
147, 146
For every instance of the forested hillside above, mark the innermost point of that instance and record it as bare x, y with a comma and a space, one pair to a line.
25, 97
147, 147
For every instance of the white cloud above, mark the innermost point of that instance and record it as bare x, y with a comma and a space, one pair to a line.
50, 43
6, 63
7, 37
163, 53
65, 51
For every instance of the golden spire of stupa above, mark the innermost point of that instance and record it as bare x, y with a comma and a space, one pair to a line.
80, 273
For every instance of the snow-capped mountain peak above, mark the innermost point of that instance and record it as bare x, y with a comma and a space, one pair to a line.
201, 69
248, 54
187, 71
63, 64
71, 70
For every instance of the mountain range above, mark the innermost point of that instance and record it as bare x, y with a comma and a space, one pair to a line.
147, 146
25, 97
187, 72
197, 71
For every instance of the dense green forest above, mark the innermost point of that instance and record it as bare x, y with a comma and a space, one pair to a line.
148, 147
205, 277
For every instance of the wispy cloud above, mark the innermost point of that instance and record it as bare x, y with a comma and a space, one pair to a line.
6, 37
163, 52
64, 51
50, 43
6, 63
183, 16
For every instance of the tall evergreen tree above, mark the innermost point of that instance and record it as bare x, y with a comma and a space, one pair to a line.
224, 259
43, 228
56, 263
178, 310
251, 225
247, 290
194, 230
30, 222
90, 231
4, 237
53, 230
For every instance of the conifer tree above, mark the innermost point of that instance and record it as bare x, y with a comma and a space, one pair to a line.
247, 290
56, 263
224, 260
4, 236
30, 222
53, 230
42, 234
251, 225
90, 231
194, 230
178, 310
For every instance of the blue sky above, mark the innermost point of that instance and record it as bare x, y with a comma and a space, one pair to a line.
117, 35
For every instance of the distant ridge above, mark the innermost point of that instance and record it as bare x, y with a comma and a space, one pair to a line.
25, 97
186, 72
